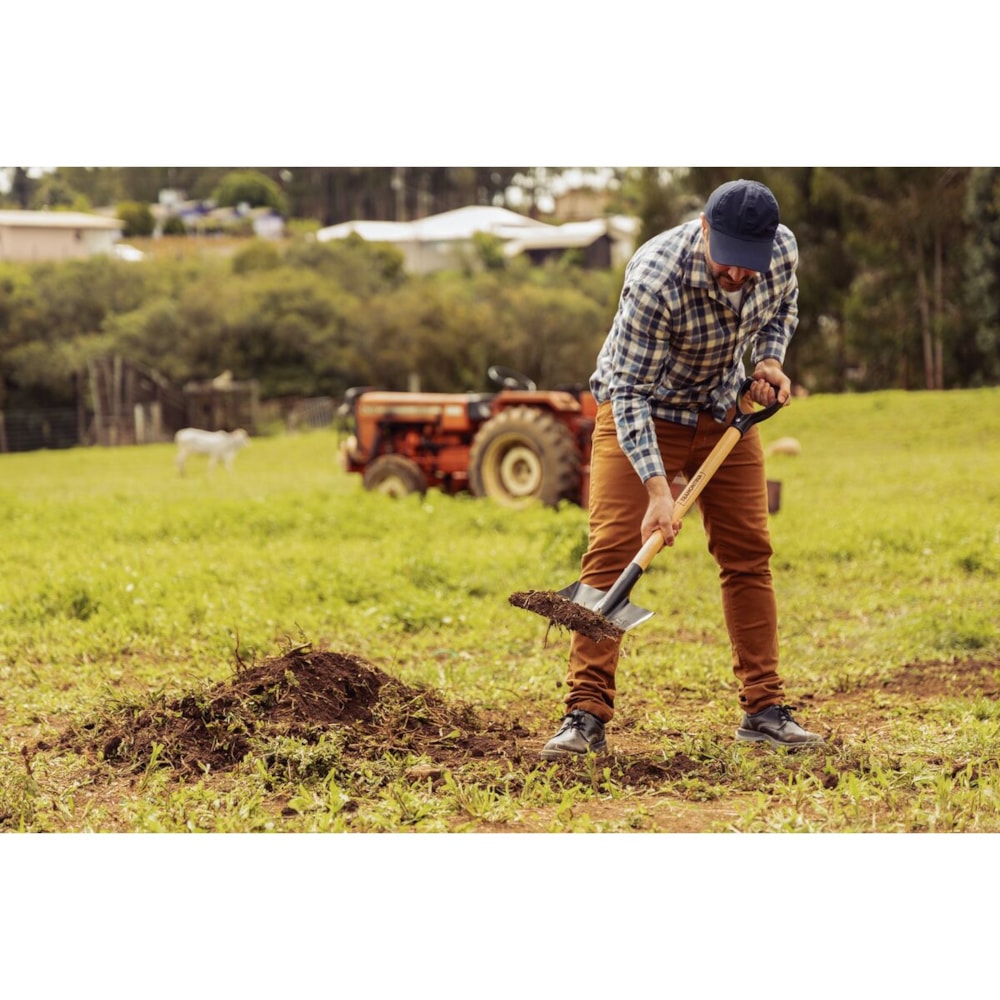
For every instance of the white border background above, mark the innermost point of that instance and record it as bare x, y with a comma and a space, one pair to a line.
775, 84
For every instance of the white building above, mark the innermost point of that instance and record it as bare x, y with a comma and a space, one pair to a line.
443, 241
56, 235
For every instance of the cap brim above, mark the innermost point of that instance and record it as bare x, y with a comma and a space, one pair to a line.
732, 252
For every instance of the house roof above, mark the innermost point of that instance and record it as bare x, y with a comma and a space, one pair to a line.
458, 224
374, 232
570, 234
463, 223
518, 233
58, 220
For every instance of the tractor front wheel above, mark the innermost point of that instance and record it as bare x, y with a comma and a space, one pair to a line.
394, 475
524, 454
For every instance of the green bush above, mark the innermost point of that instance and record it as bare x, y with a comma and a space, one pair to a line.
174, 226
252, 187
258, 255
302, 227
490, 251
302, 317
137, 217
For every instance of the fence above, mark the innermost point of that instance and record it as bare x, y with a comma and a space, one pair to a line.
32, 430
122, 403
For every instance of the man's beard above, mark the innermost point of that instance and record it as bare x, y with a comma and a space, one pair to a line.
728, 285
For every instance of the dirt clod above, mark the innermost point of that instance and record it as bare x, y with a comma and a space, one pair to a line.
560, 611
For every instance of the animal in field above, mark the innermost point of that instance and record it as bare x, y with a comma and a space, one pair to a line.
219, 446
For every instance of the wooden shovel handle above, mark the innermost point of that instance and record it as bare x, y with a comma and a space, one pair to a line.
743, 420
690, 493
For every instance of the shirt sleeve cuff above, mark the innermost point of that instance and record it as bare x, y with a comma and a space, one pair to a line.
770, 349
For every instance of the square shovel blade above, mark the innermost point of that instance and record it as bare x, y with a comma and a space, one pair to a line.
625, 616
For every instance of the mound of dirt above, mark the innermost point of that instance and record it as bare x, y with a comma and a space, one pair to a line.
301, 694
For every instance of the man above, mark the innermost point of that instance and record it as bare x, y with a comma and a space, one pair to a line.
695, 300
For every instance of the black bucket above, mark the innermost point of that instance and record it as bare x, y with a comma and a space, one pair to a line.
773, 496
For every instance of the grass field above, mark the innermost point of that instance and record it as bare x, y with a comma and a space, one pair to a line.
130, 593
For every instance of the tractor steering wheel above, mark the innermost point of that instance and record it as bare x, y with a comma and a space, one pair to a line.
507, 378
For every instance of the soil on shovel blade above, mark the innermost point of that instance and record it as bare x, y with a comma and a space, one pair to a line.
303, 694
560, 611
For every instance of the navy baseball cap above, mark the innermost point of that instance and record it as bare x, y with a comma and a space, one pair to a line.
743, 216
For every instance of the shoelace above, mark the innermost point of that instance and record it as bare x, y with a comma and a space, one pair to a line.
785, 714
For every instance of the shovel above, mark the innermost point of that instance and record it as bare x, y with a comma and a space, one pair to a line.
602, 614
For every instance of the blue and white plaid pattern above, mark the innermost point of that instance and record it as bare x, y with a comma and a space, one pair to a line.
677, 344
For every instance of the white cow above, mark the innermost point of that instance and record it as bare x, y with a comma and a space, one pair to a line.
218, 445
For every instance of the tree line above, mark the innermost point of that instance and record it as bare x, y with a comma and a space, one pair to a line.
900, 287
326, 194
306, 319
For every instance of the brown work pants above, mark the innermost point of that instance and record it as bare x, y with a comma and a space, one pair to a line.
734, 513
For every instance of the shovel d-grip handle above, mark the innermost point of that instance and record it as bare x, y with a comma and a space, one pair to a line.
740, 424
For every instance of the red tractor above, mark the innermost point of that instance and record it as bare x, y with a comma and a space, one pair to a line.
516, 445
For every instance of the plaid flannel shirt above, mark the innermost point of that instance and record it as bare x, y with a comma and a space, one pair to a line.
677, 344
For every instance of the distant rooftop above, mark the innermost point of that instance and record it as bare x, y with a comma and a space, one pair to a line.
458, 224
58, 220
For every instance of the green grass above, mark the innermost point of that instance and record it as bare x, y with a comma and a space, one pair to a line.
121, 581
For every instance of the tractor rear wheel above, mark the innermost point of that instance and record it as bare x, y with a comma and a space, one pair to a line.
524, 454
394, 475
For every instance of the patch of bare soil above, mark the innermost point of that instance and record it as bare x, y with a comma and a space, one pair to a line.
307, 693
300, 694
868, 709
944, 679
